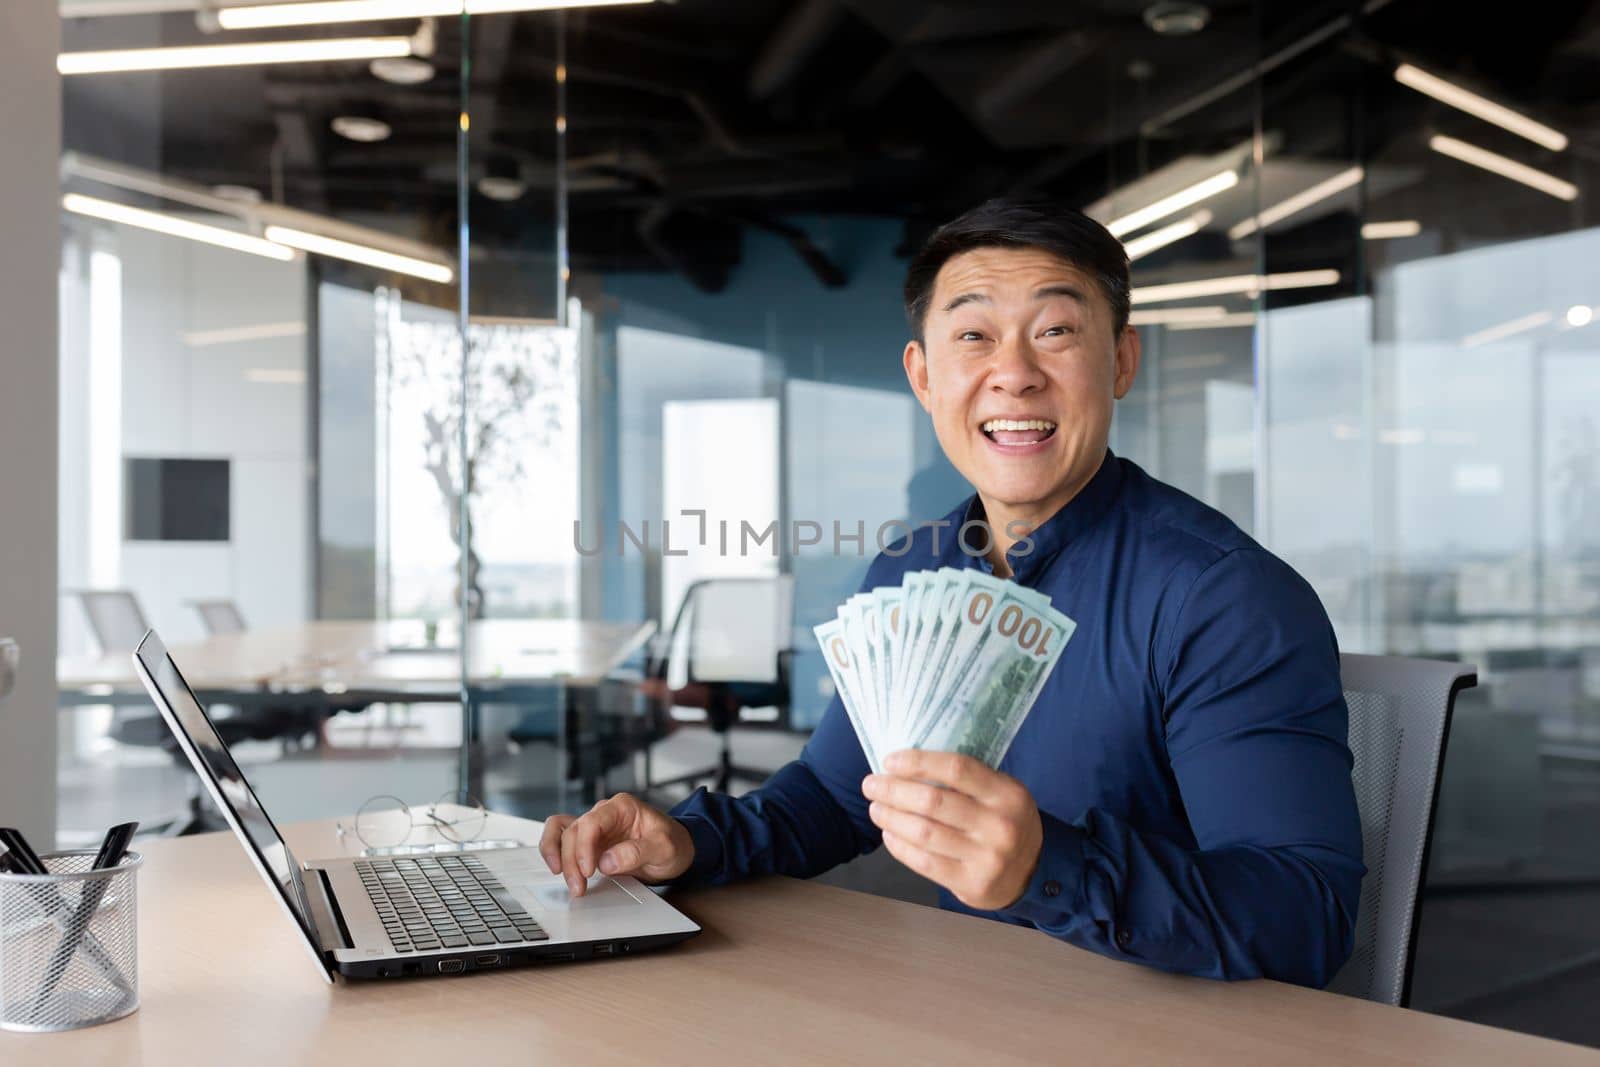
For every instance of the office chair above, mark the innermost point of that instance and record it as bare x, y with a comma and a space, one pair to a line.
8, 666
118, 624
219, 616
1400, 713
728, 650
290, 724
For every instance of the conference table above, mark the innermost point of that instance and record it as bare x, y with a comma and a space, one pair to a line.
390, 659
339, 663
784, 972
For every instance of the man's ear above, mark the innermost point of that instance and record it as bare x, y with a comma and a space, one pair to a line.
916, 364
1127, 362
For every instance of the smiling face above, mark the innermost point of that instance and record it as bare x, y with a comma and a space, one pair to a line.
1019, 368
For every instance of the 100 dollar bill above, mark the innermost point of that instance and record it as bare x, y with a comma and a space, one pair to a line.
842, 666
1008, 648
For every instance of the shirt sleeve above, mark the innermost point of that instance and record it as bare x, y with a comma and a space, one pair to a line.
808, 817
1256, 732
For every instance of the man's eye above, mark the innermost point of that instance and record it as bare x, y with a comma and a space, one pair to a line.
1059, 331
969, 335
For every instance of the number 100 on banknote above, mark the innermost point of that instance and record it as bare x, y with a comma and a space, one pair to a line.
950, 660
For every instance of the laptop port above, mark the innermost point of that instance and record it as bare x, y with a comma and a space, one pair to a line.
451, 966
605, 950
491, 960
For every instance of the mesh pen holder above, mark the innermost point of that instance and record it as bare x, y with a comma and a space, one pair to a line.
69, 944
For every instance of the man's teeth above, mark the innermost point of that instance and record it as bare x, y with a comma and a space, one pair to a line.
1018, 424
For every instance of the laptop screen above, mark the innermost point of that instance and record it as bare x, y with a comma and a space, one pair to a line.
213, 761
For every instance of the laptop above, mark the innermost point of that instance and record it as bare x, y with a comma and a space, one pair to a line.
407, 915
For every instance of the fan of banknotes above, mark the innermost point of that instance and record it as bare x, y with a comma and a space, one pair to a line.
949, 660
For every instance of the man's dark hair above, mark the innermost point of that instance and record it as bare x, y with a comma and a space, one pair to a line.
1064, 232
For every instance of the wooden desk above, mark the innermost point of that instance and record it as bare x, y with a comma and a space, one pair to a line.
384, 659
786, 972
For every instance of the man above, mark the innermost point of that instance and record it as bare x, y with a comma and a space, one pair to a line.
1180, 793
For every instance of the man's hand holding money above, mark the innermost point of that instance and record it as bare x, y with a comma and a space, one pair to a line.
958, 822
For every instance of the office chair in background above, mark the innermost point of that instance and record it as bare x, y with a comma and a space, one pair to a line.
294, 725
1400, 713
8, 667
728, 651
219, 616
118, 623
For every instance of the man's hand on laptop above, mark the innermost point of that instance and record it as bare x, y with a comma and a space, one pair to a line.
620, 835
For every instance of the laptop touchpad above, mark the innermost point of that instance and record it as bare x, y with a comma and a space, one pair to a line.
553, 895
532, 883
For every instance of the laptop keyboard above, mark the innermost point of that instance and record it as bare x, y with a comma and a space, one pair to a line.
439, 902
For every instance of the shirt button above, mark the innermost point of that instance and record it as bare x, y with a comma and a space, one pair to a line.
1052, 888
1123, 937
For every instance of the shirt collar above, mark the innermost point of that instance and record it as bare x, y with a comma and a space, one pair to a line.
1076, 517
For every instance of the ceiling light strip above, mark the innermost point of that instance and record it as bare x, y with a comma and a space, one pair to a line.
1507, 329
1167, 316
1485, 109
94, 9
1171, 205
227, 335
1298, 202
1234, 320
275, 375
365, 254
1383, 231
232, 55
328, 11
1234, 283
173, 226
323, 12
78, 167
1506, 168
1147, 243
495, 7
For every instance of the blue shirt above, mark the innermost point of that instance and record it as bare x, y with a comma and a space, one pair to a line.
1188, 754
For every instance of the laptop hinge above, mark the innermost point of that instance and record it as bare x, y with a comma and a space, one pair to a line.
331, 928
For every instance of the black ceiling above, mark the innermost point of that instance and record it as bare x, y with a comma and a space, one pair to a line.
690, 123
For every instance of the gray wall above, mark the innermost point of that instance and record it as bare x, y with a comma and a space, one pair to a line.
30, 125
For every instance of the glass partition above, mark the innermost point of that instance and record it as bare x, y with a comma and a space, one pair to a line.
1362, 343
258, 266
1424, 438
458, 370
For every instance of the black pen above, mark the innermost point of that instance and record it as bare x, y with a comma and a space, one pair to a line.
115, 845
20, 853
112, 849
20, 858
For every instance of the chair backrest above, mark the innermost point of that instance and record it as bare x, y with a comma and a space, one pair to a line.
1399, 720
115, 618
732, 629
220, 616
8, 666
